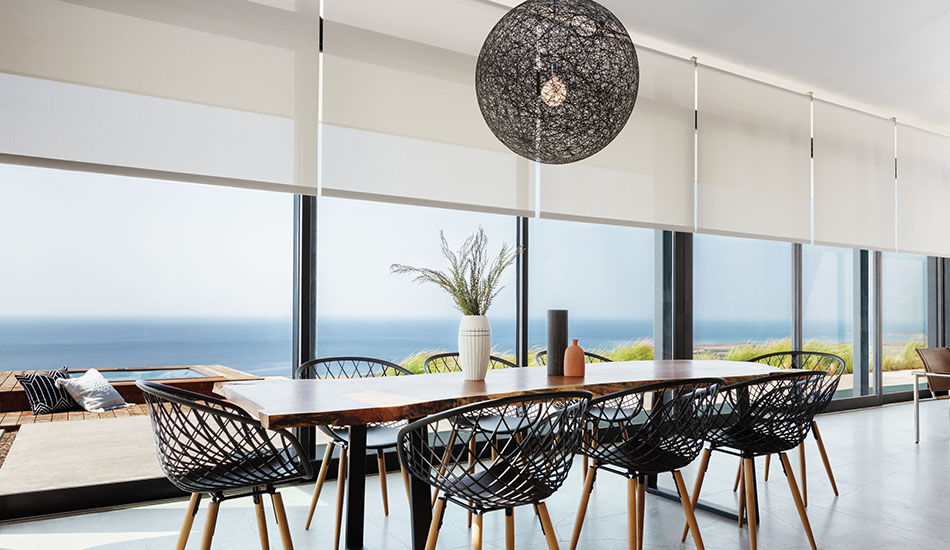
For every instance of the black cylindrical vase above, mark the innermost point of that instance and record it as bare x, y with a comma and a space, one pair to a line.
557, 341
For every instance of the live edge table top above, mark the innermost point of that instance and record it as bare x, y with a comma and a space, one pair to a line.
343, 402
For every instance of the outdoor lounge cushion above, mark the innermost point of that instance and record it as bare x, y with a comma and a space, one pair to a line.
44, 395
93, 392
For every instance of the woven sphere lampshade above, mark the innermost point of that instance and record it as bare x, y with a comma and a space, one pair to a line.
556, 80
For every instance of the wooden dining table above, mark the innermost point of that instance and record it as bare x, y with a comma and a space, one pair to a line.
356, 402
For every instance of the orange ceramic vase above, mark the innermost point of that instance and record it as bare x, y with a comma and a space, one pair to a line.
574, 360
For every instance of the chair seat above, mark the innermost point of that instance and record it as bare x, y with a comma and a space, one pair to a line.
746, 439
653, 459
501, 478
501, 425
242, 471
377, 437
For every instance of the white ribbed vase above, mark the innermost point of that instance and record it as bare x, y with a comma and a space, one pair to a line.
474, 346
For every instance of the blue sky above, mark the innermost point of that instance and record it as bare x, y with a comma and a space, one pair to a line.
78, 244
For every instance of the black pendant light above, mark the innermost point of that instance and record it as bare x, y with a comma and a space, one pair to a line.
557, 79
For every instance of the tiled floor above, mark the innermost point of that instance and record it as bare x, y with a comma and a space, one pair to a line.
894, 495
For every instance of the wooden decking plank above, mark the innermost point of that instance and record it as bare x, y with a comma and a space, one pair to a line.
121, 412
60, 417
26, 417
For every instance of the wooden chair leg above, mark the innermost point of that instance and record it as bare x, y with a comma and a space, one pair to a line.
209, 525
189, 521
509, 529
435, 525
742, 502
750, 501
445, 463
327, 457
641, 509
697, 487
688, 507
381, 465
548, 527
477, 533
405, 481
585, 466
340, 488
632, 515
801, 467
472, 450
824, 457
735, 486
281, 514
261, 520
768, 464
793, 487
582, 508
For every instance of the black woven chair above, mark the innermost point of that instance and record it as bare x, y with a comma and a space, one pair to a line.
541, 358
809, 360
761, 417
379, 436
482, 472
651, 429
209, 446
449, 362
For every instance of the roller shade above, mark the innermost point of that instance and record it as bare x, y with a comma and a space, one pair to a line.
401, 122
854, 178
923, 192
645, 176
222, 90
754, 168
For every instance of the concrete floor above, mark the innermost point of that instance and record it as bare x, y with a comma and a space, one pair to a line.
107, 450
894, 494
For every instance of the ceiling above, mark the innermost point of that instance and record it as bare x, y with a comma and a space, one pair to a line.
884, 56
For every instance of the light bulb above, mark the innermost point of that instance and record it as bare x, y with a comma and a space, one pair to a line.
554, 91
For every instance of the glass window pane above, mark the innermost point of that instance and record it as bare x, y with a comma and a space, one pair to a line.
365, 310
111, 271
742, 297
827, 306
603, 276
904, 308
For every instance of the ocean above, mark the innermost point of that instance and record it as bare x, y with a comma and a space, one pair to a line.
263, 346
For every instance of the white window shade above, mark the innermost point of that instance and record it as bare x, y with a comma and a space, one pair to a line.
222, 91
645, 176
401, 124
753, 155
854, 178
923, 192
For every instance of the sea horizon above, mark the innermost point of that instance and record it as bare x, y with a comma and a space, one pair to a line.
262, 346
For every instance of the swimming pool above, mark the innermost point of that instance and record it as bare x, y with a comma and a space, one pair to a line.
133, 374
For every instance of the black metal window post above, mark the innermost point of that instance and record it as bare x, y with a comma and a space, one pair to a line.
663, 295
521, 294
877, 323
797, 298
682, 287
305, 296
860, 324
935, 302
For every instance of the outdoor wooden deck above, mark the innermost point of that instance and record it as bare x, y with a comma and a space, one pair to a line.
15, 419
15, 409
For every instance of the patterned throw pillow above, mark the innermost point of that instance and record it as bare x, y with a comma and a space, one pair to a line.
44, 395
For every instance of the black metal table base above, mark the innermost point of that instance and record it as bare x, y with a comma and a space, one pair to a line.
654, 489
700, 505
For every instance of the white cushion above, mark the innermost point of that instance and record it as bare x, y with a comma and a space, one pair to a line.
93, 392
